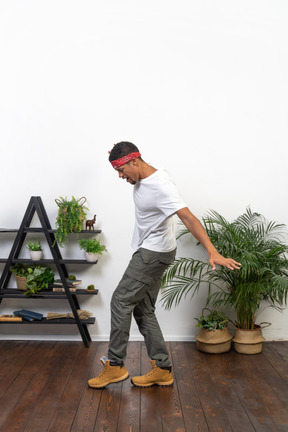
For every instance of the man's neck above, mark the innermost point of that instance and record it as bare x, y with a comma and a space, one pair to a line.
145, 170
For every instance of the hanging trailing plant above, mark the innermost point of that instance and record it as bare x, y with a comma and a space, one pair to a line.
70, 218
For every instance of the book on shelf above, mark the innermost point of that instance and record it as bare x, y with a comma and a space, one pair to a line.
28, 315
62, 289
10, 318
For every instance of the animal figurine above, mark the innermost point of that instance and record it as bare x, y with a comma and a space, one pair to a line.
90, 223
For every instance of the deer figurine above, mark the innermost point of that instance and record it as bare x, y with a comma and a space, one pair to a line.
90, 223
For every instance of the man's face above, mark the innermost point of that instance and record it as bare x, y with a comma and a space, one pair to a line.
128, 172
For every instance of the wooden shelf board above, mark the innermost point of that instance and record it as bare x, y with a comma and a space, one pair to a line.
51, 261
52, 321
51, 231
15, 293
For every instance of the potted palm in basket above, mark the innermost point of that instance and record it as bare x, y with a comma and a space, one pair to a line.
260, 283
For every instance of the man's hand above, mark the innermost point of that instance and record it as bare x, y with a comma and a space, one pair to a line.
216, 258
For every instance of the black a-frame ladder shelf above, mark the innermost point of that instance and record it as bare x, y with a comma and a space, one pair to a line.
36, 206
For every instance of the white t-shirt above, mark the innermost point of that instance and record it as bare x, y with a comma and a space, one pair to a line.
156, 201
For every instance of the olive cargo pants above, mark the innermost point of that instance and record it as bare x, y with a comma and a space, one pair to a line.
137, 293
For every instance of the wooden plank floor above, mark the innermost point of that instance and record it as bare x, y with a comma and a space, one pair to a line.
43, 387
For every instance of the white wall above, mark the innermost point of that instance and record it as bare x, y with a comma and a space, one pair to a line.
200, 86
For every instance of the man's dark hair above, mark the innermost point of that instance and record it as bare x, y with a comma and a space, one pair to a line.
121, 149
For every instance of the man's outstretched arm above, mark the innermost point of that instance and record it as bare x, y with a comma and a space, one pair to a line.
197, 230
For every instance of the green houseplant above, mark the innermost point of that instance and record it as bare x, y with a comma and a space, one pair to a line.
70, 218
262, 280
36, 278
35, 249
34, 245
213, 336
92, 247
20, 273
214, 320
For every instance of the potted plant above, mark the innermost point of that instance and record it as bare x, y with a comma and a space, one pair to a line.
92, 248
20, 273
258, 245
36, 278
90, 288
35, 250
70, 218
213, 336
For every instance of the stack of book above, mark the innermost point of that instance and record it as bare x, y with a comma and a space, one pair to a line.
28, 315
72, 284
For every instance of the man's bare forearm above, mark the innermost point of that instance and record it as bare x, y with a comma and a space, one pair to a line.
194, 226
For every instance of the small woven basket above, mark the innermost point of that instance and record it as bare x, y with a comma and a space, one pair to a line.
213, 341
21, 282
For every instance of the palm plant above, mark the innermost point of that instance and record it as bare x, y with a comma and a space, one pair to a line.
255, 243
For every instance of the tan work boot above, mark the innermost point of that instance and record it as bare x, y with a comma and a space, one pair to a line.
108, 375
156, 376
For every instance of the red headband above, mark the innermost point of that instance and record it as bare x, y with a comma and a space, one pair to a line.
118, 162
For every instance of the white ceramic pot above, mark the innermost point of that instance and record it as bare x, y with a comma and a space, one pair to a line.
91, 257
35, 255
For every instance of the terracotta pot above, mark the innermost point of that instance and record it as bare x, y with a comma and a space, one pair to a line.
213, 341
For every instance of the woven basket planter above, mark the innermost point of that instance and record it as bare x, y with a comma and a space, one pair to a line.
21, 282
213, 341
249, 341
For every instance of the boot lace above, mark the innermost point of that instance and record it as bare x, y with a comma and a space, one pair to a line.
151, 371
103, 372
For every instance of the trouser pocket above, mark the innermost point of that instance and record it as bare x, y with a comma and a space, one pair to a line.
155, 263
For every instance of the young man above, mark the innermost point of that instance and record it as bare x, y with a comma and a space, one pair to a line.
156, 201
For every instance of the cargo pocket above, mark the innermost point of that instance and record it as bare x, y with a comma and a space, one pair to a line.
137, 285
140, 277
167, 257
148, 257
